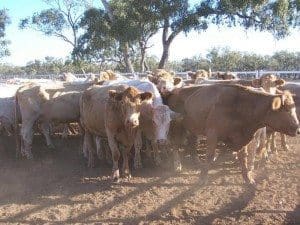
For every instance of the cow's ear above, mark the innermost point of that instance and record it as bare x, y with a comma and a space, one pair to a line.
280, 82
177, 81
146, 96
256, 83
152, 79
276, 103
114, 95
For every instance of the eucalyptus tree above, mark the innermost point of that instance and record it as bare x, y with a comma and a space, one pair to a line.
276, 16
60, 20
4, 21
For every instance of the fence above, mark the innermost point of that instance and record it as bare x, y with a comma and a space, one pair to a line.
287, 75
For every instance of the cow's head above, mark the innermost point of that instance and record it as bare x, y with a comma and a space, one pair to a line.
167, 85
165, 81
283, 117
226, 76
107, 75
161, 118
199, 74
130, 101
269, 82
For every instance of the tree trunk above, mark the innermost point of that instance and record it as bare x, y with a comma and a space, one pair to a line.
143, 55
108, 10
165, 55
146, 66
129, 67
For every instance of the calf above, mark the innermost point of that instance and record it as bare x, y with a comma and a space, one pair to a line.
112, 112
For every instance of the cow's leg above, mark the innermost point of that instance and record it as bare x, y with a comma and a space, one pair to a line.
72, 130
115, 156
88, 139
27, 136
45, 127
85, 150
107, 151
137, 150
100, 148
284, 145
212, 141
125, 170
273, 143
177, 161
192, 141
65, 132
263, 146
156, 155
251, 150
247, 175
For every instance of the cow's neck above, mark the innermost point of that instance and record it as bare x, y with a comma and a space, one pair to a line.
254, 108
175, 99
146, 123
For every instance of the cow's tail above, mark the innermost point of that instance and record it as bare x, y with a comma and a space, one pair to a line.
17, 119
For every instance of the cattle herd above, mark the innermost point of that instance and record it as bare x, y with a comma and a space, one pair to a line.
160, 115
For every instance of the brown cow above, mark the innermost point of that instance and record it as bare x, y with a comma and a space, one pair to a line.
295, 89
232, 114
225, 75
271, 84
112, 112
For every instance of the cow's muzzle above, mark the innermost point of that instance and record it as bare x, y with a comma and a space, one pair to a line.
132, 123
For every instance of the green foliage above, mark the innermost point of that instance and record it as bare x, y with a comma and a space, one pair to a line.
4, 21
276, 16
50, 22
216, 59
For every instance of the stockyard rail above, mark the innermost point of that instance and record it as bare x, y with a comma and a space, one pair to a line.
287, 75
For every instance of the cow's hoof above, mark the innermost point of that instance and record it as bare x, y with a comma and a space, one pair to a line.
116, 180
127, 176
286, 148
116, 176
250, 177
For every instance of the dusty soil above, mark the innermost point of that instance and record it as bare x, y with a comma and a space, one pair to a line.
57, 188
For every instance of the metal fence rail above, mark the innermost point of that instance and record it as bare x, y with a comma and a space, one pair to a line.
288, 75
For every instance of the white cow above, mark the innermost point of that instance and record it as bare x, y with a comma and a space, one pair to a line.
155, 119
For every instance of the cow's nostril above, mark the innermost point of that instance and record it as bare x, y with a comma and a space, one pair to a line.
298, 131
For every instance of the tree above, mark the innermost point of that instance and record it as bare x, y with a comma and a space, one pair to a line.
4, 21
60, 20
118, 32
178, 16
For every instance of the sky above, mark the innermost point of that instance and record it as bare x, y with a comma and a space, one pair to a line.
27, 45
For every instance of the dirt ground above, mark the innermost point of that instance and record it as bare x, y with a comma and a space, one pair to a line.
57, 188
